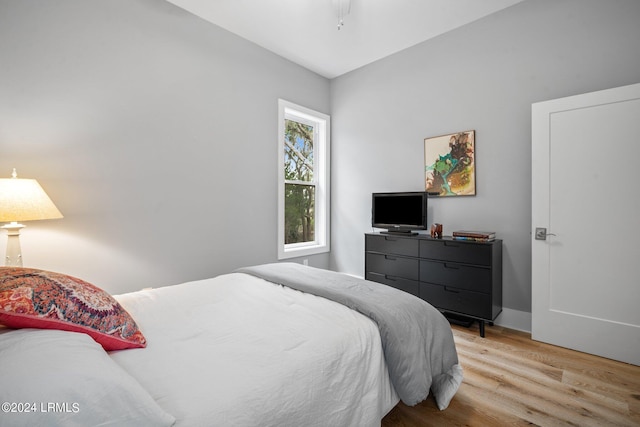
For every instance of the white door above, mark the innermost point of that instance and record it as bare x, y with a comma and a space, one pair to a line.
586, 194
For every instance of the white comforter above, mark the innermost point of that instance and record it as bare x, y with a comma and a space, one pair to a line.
236, 350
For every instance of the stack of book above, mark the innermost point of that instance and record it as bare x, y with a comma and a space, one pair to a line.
476, 236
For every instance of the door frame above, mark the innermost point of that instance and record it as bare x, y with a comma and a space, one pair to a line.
549, 325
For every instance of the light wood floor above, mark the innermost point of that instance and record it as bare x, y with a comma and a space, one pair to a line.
510, 380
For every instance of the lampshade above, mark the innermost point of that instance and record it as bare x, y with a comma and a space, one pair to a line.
25, 200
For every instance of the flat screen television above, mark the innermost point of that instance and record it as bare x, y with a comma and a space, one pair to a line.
399, 212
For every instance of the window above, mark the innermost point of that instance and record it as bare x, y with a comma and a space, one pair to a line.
303, 183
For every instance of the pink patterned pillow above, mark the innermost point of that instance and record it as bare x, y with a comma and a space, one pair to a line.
31, 298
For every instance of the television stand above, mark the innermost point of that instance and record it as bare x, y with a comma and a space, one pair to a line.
400, 233
459, 277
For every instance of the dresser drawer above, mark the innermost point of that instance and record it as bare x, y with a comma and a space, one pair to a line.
392, 245
450, 250
390, 265
458, 300
410, 286
461, 276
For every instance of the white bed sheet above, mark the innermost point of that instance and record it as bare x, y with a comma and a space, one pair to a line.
236, 350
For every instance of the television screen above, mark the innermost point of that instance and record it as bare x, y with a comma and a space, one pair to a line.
399, 211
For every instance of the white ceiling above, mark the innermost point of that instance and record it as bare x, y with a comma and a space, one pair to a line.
305, 31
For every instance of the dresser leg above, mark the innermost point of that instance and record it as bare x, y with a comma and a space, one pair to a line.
481, 322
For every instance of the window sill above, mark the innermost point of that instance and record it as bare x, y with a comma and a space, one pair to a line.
303, 250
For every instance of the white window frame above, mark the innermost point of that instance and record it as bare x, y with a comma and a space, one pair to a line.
322, 125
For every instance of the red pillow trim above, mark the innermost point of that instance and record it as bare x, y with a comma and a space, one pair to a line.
31, 298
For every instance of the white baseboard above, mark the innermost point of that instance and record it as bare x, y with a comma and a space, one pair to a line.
514, 319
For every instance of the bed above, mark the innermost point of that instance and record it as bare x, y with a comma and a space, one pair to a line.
271, 345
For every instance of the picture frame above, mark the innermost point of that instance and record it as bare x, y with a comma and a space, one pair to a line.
450, 164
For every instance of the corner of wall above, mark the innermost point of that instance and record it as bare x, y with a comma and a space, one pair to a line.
514, 319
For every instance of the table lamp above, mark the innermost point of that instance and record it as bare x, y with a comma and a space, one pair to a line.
22, 200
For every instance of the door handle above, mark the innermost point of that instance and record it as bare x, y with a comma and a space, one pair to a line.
541, 233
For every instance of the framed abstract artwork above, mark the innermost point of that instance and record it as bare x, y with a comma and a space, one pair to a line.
450, 164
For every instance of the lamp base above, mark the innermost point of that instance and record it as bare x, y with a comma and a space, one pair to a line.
13, 256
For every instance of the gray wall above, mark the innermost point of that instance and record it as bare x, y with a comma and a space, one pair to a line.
145, 124
483, 76
154, 132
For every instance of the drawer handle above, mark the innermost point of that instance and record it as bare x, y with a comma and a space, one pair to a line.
390, 278
451, 290
451, 244
390, 239
451, 267
390, 258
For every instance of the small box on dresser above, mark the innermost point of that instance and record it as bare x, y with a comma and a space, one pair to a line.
457, 277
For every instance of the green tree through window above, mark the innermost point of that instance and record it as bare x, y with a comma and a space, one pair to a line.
303, 181
300, 187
